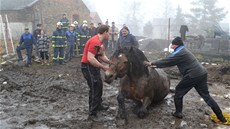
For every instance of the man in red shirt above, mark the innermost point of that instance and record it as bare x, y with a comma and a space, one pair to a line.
94, 52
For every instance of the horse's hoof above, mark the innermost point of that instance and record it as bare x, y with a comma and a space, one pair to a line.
122, 116
141, 115
135, 110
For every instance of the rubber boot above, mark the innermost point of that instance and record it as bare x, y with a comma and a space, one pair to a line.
42, 62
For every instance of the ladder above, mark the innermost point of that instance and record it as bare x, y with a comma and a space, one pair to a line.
7, 36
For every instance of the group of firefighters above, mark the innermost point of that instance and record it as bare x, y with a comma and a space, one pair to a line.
67, 41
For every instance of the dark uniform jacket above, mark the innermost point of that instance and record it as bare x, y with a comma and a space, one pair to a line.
84, 36
65, 23
186, 62
59, 38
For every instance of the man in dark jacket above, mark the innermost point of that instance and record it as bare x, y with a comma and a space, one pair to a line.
183, 30
92, 30
26, 42
36, 34
194, 75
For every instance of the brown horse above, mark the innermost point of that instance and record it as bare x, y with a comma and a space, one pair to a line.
144, 85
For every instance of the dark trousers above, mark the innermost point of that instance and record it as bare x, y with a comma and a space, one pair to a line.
44, 55
36, 49
75, 49
200, 84
94, 81
58, 54
69, 52
81, 49
112, 44
106, 42
29, 50
183, 34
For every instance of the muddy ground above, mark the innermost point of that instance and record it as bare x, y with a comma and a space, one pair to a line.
56, 97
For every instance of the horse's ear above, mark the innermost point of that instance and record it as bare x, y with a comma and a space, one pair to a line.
120, 49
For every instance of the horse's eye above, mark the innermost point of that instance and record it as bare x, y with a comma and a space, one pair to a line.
125, 62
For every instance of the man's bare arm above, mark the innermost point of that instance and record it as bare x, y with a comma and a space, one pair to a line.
93, 61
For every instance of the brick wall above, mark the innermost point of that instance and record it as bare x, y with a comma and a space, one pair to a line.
49, 12
52, 11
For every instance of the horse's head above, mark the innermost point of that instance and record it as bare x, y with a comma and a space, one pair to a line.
119, 66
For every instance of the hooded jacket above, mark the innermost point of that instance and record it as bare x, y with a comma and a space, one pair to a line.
127, 41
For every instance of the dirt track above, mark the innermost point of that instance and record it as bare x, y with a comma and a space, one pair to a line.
44, 97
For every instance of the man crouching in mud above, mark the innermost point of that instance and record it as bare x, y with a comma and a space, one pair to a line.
94, 52
194, 75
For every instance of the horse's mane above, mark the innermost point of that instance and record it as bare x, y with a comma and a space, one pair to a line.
136, 58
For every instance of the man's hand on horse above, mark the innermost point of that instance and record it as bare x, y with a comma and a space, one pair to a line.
105, 67
149, 64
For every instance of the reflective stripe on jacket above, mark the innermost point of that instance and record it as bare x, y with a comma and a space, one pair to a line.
59, 38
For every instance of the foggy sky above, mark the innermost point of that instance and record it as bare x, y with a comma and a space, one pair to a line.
114, 10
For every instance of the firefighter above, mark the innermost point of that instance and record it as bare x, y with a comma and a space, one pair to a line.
84, 36
77, 30
85, 22
59, 44
71, 37
26, 42
65, 23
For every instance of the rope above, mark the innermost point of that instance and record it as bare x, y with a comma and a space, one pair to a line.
216, 120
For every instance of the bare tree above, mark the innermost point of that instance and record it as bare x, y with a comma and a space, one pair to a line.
132, 15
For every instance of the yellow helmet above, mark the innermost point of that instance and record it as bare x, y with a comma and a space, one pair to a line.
84, 22
71, 25
59, 24
84, 25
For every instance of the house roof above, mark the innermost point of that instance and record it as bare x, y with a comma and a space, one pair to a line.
95, 16
16, 4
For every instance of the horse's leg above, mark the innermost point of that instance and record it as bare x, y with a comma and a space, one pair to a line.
137, 106
143, 110
121, 106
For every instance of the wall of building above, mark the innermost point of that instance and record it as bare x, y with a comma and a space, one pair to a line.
51, 12
47, 12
